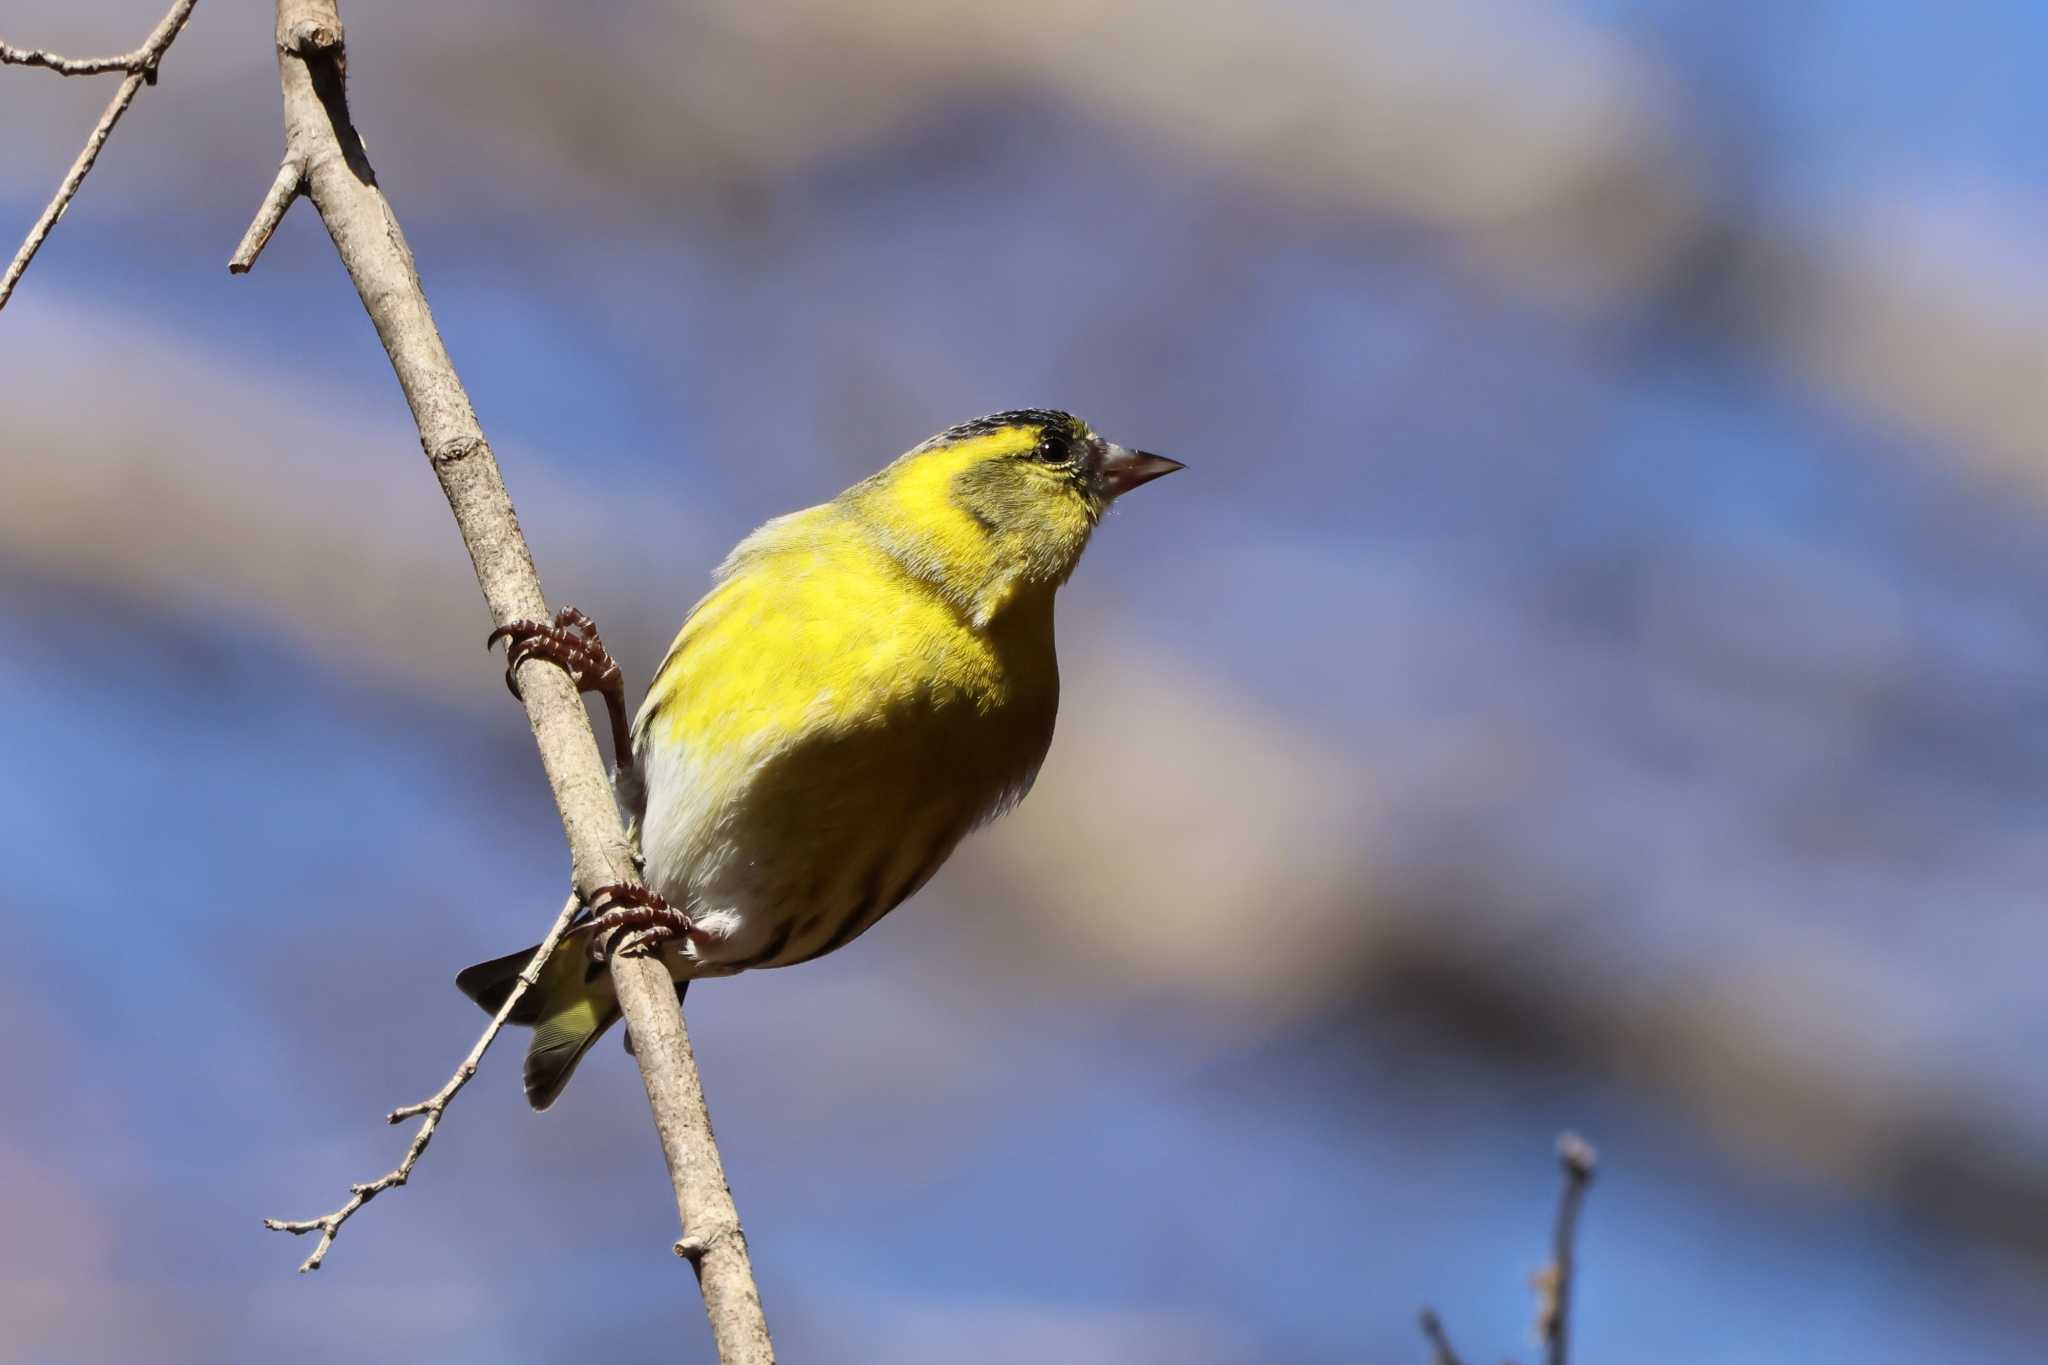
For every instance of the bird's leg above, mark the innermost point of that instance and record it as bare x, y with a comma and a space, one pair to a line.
571, 643
627, 910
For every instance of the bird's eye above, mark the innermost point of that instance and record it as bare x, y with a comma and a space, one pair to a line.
1054, 447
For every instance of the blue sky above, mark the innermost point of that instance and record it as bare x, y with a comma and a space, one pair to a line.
1615, 710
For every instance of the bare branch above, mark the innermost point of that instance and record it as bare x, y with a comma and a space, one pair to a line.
141, 62
321, 137
141, 65
433, 1106
1554, 1281
10, 55
1440, 1344
290, 182
72, 180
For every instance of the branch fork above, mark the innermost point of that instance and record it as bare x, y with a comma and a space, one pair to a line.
141, 62
306, 31
141, 66
325, 160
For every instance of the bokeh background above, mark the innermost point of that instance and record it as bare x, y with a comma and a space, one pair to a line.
1593, 673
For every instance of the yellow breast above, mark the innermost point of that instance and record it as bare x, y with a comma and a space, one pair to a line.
816, 632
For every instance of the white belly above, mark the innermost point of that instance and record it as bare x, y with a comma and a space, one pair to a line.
795, 856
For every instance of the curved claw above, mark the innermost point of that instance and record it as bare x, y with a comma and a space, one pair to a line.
626, 910
522, 639
571, 643
516, 634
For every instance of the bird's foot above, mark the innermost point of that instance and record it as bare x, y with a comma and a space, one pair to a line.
632, 919
571, 642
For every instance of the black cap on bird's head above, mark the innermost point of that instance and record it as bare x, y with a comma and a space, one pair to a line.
1101, 467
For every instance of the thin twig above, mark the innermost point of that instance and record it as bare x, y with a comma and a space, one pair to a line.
1433, 1328
141, 66
1554, 1282
291, 180
321, 137
10, 55
433, 1106
55, 208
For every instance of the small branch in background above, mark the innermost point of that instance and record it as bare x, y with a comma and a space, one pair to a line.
433, 1107
10, 55
1433, 1328
141, 66
141, 62
1554, 1282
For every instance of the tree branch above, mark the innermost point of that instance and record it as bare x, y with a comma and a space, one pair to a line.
433, 1107
1442, 1352
321, 138
10, 55
1554, 1282
141, 62
289, 184
141, 65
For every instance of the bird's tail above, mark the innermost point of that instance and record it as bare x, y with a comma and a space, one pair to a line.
568, 1009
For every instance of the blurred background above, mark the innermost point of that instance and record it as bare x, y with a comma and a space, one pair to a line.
1593, 673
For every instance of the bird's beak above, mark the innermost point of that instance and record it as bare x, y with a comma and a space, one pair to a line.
1124, 469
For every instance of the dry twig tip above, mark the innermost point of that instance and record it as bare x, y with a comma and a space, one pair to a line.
434, 1106
1553, 1283
284, 189
1440, 1343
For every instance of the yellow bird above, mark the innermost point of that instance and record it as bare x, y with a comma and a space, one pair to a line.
867, 681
